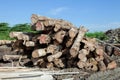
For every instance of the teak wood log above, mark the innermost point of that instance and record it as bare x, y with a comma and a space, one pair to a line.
37, 61
54, 56
4, 42
102, 66
50, 65
89, 44
81, 64
69, 42
49, 23
82, 55
52, 49
39, 53
35, 18
30, 44
15, 34
59, 63
75, 47
12, 57
73, 32
62, 24
59, 36
44, 39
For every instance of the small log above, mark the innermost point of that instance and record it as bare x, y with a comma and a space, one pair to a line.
35, 18
50, 22
69, 42
89, 44
30, 44
93, 63
39, 53
75, 47
94, 68
24, 36
57, 27
5, 42
82, 57
38, 61
59, 63
112, 65
52, 49
62, 24
50, 65
44, 39
59, 36
39, 26
99, 51
81, 64
14, 34
73, 32
12, 57
102, 66
54, 56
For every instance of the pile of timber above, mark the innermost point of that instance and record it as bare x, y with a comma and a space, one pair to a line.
59, 44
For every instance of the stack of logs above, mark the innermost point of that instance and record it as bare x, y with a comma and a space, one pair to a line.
59, 44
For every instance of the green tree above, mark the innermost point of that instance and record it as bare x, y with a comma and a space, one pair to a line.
4, 31
21, 27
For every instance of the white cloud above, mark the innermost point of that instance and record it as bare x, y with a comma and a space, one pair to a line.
58, 10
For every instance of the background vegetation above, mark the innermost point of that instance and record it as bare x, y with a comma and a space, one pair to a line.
5, 29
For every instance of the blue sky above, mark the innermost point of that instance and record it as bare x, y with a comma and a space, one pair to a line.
96, 15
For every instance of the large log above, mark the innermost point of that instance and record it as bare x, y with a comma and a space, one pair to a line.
76, 45
54, 56
44, 39
39, 53
59, 36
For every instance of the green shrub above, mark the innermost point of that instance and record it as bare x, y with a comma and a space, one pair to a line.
99, 35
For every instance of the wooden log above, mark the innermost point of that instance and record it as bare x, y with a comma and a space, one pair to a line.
69, 42
12, 57
50, 22
89, 44
35, 18
112, 65
24, 36
30, 44
59, 36
93, 63
73, 32
44, 39
59, 63
82, 57
38, 61
62, 24
5, 42
14, 34
50, 65
102, 66
81, 64
39, 53
38, 26
52, 49
75, 47
54, 56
